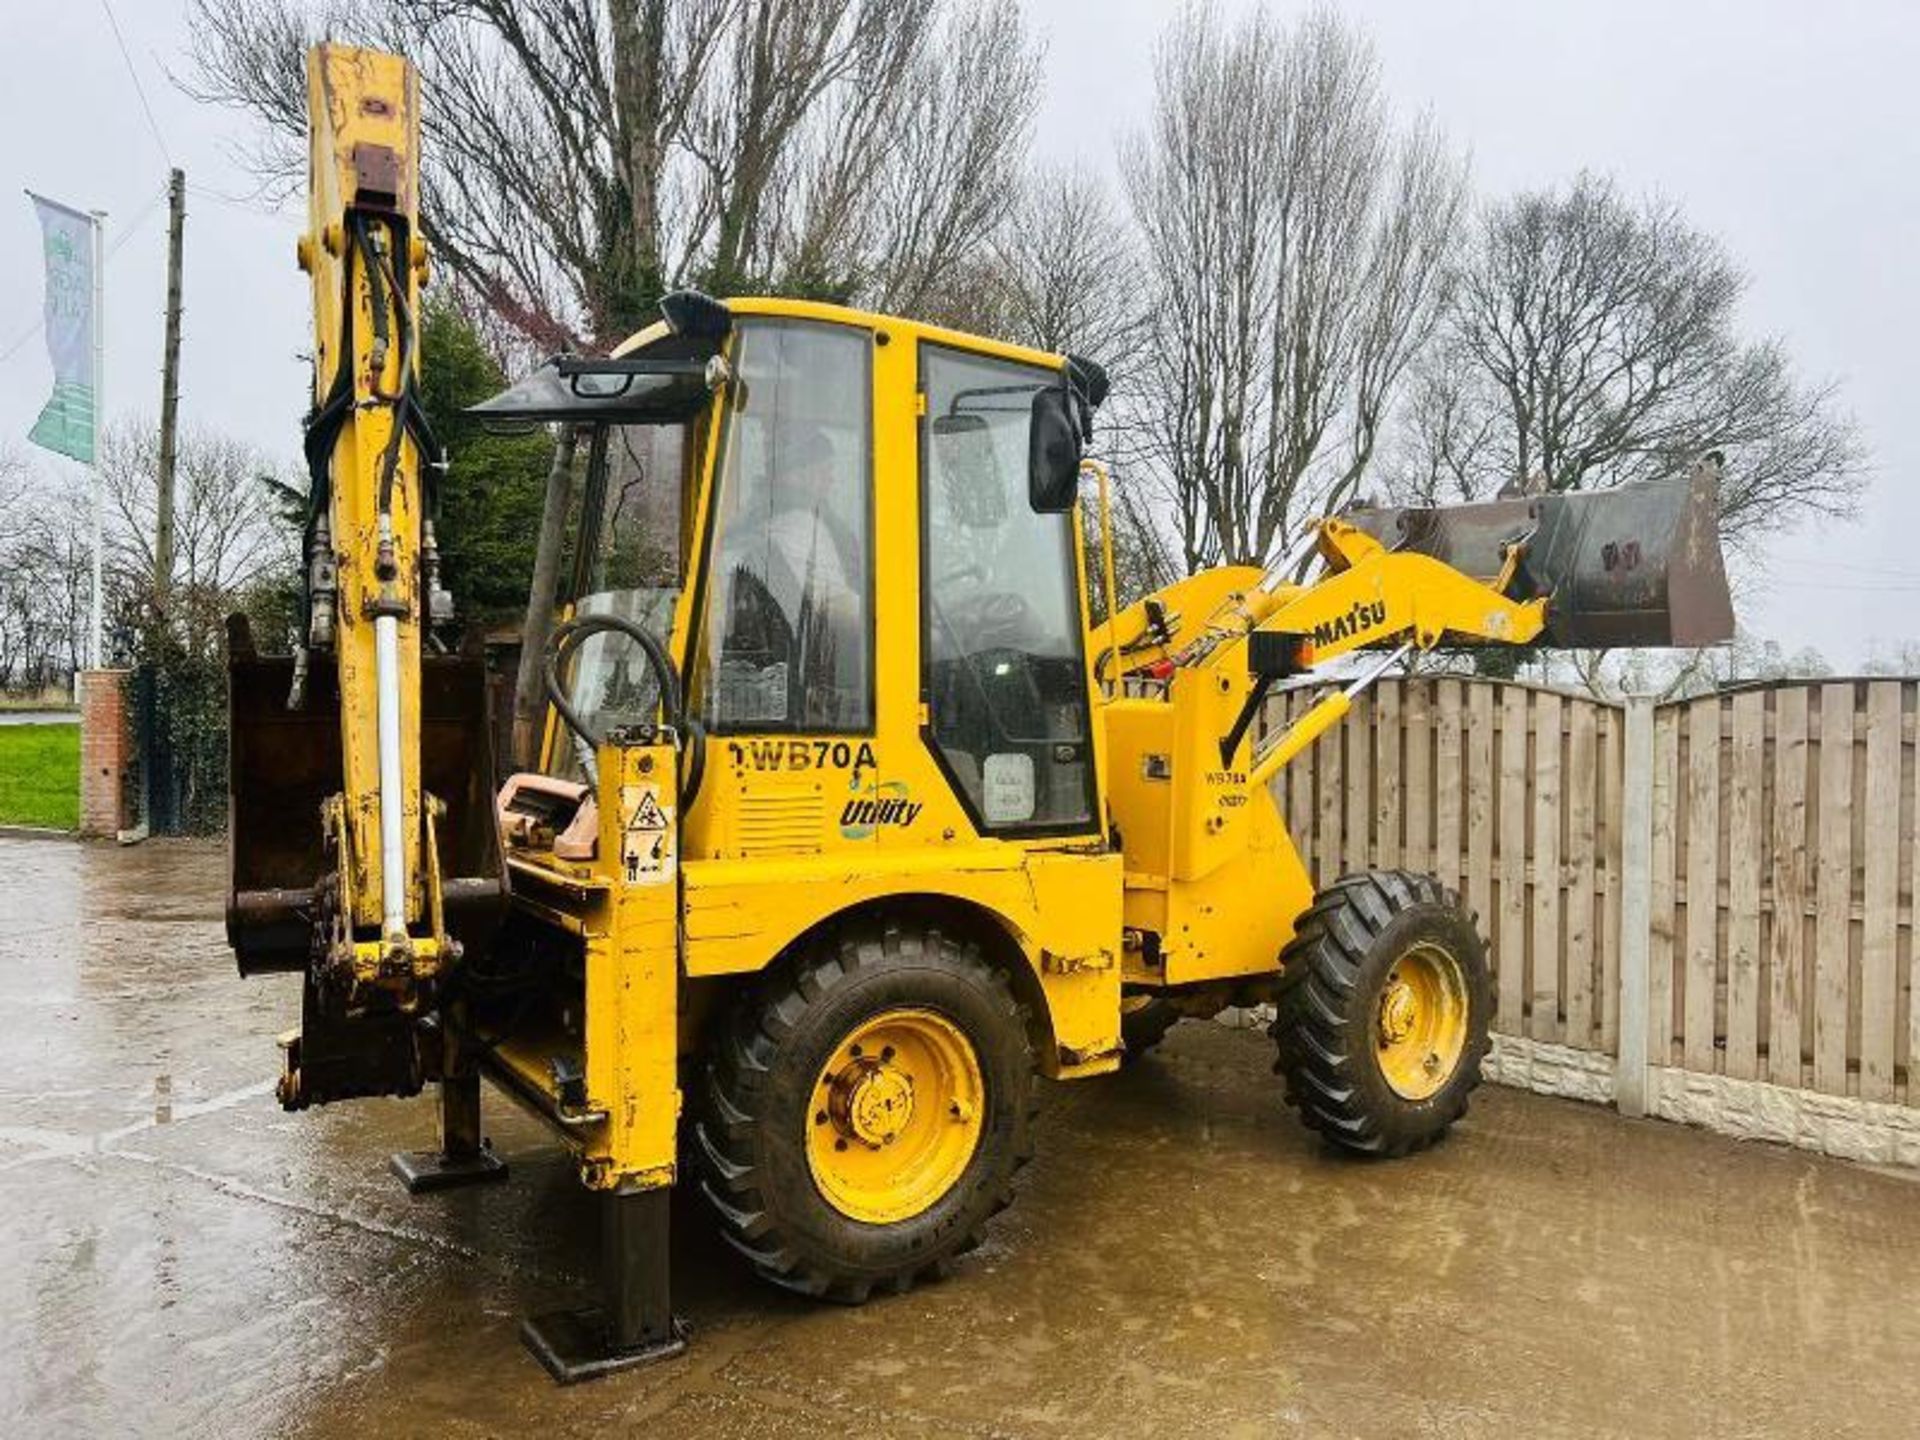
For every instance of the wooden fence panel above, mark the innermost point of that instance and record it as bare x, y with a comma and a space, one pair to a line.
1745, 860
1328, 752
1661, 1023
1881, 884
1611, 731
1510, 839
1786, 956
1583, 867
1479, 817
1700, 977
1832, 922
1784, 866
1357, 731
1416, 849
1450, 783
1909, 999
1384, 715
1547, 953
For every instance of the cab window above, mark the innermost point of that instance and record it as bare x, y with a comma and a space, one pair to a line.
787, 643
1004, 662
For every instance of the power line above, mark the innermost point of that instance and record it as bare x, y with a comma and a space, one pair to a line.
1830, 567
245, 204
134, 75
1787, 584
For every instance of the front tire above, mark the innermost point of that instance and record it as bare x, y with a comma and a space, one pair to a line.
865, 1110
1382, 1021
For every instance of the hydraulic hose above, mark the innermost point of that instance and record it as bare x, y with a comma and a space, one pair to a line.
570, 636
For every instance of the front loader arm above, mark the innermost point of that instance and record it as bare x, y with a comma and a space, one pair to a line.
1372, 595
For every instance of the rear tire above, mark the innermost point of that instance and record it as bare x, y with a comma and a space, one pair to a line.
1383, 1017
864, 1111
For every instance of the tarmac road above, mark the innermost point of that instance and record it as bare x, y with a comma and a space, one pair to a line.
178, 1257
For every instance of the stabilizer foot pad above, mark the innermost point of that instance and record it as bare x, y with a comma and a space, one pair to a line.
573, 1345
425, 1171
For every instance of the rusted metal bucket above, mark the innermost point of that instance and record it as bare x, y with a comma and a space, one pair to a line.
283, 763
1635, 565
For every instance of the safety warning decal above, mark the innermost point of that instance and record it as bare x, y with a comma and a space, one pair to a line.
646, 836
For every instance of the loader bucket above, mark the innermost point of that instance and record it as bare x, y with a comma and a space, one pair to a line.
1635, 565
283, 763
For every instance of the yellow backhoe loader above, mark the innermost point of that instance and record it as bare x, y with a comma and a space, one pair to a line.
841, 823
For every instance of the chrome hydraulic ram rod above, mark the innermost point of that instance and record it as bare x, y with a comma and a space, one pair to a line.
1318, 720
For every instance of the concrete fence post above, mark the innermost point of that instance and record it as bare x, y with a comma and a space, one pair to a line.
1636, 906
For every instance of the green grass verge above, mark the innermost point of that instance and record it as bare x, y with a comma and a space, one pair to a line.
40, 776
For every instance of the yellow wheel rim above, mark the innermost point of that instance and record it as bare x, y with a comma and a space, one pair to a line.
1420, 1023
895, 1116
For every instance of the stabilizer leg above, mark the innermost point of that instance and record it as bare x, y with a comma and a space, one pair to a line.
634, 1324
464, 1157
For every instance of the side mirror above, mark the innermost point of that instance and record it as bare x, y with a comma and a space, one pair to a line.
1053, 451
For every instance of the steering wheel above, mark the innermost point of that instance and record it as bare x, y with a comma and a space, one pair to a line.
570, 636
997, 620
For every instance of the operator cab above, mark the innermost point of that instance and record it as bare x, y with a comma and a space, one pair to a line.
855, 539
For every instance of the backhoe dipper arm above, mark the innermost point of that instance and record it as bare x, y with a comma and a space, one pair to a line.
369, 526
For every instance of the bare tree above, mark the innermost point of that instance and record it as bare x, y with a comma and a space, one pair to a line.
14, 503
1902, 659
1295, 242
229, 532
583, 155
1595, 341
1066, 271
45, 578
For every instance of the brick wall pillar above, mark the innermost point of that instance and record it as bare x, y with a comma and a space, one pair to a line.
106, 752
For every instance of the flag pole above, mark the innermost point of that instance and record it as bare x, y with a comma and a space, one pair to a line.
96, 650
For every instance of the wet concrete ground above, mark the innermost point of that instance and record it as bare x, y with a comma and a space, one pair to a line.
179, 1257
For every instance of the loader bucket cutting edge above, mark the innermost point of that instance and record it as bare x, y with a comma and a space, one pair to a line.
1639, 565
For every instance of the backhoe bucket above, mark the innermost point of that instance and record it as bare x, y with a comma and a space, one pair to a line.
1635, 565
283, 763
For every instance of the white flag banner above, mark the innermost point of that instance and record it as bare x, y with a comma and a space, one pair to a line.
66, 424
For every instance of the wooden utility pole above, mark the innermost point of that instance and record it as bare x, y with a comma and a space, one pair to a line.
169, 389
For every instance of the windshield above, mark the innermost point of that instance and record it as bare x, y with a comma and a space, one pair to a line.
609, 680
788, 642
628, 561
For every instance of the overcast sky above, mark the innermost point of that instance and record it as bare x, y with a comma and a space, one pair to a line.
1789, 129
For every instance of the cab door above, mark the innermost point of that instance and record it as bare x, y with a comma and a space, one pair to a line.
1004, 673
783, 670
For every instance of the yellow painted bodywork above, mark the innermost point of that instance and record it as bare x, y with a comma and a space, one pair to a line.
624, 909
